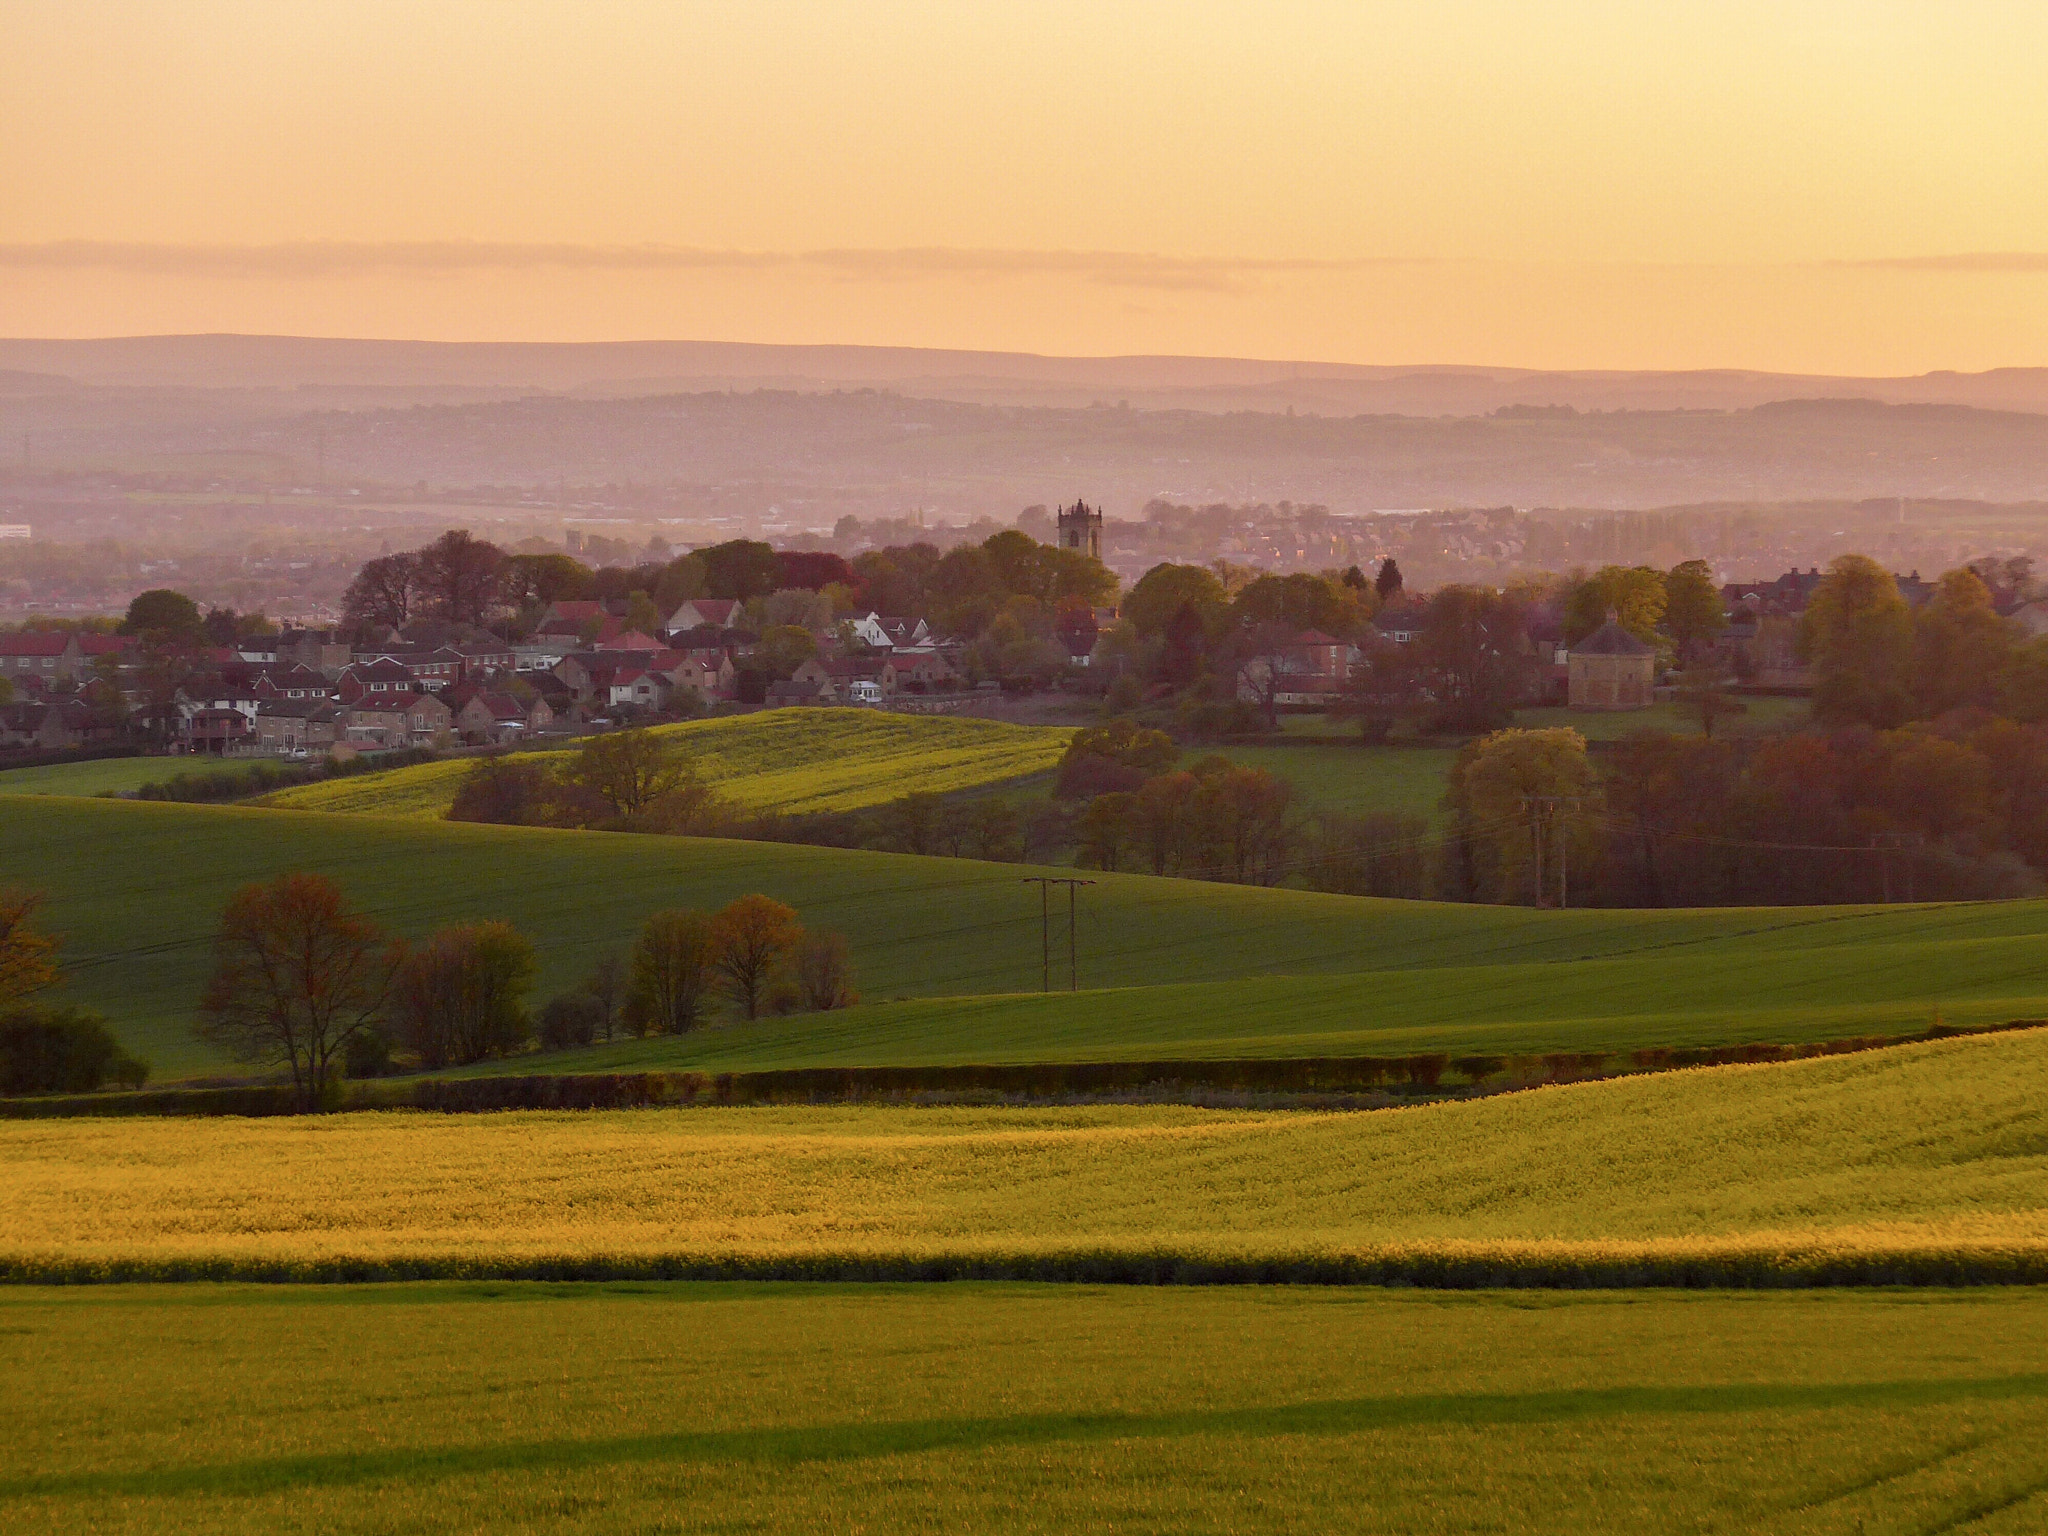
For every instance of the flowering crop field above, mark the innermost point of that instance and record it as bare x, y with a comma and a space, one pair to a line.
1925, 1163
780, 759
456, 1407
948, 950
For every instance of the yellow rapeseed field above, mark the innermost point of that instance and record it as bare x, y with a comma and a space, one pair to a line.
796, 760
1929, 1162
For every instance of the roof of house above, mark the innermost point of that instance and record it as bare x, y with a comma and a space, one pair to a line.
1610, 639
35, 642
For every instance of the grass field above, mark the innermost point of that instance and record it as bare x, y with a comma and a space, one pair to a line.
1353, 778
885, 1409
1924, 1161
1194, 968
794, 760
116, 774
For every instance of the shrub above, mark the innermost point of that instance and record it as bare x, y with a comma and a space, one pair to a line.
1426, 1070
61, 1050
824, 974
570, 1020
367, 1054
1477, 1069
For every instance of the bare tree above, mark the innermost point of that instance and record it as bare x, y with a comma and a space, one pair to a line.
464, 575
671, 972
295, 976
607, 984
385, 592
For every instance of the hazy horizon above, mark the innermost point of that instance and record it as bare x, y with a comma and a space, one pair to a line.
1806, 187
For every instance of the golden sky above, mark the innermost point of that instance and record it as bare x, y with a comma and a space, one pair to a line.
1802, 185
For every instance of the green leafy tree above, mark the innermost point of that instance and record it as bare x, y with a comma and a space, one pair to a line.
1512, 793
1166, 591
1962, 649
1693, 614
740, 568
628, 770
1858, 633
165, 615
1634, 595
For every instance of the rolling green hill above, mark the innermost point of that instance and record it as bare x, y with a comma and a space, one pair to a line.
780, 759
1192, 968
117, 775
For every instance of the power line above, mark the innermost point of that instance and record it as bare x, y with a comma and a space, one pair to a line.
1045, 883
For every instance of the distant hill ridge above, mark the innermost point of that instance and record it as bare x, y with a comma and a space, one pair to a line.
1203, 383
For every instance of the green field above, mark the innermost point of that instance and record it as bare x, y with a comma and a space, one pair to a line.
1759, 714
118, 775
1194, 968
1925, 1162
885, 1409
795, 760
1351, 777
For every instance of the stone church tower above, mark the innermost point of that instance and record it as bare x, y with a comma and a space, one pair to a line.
1081, 528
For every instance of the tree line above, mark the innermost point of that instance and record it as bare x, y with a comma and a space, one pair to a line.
302, 982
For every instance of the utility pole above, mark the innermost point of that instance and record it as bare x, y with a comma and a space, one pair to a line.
1538, 807
1045, 883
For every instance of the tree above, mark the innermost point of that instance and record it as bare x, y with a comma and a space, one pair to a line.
1184, 648
1384, 689
463, 575
504, 791
165, 615
1692, 608
1703, 695
740, 568
295, 976
28, 957
1105, 829
752, 938
1633, 595
785, 648
1297, 602
1513, 792
628, 770
1162, 592
606, 984
460, 997
1388, 583
670, 972
641, 614
824, 973
534, 581
1962, 649
384, 594
1241, 816
1858, 633
61, 1050
1474, 644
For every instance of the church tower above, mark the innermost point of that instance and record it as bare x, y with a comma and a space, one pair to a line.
1081, 528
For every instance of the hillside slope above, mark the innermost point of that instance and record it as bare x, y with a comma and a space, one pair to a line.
137, 888
1929, 1162
780, 759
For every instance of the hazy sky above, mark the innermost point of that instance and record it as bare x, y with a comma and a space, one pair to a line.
1801, 184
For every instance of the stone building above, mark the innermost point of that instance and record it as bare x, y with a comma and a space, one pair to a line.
1611, 669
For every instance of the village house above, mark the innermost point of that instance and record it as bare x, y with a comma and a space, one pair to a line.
487, 718
638, 689
414, 720
697, 612
51, 654
374, 680
917, 672
297, 725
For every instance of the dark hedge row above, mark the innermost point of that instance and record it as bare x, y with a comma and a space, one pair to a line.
1418, 1074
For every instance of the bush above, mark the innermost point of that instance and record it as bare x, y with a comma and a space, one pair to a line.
367, 1054
570, 1020
62, 1050
824, 974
